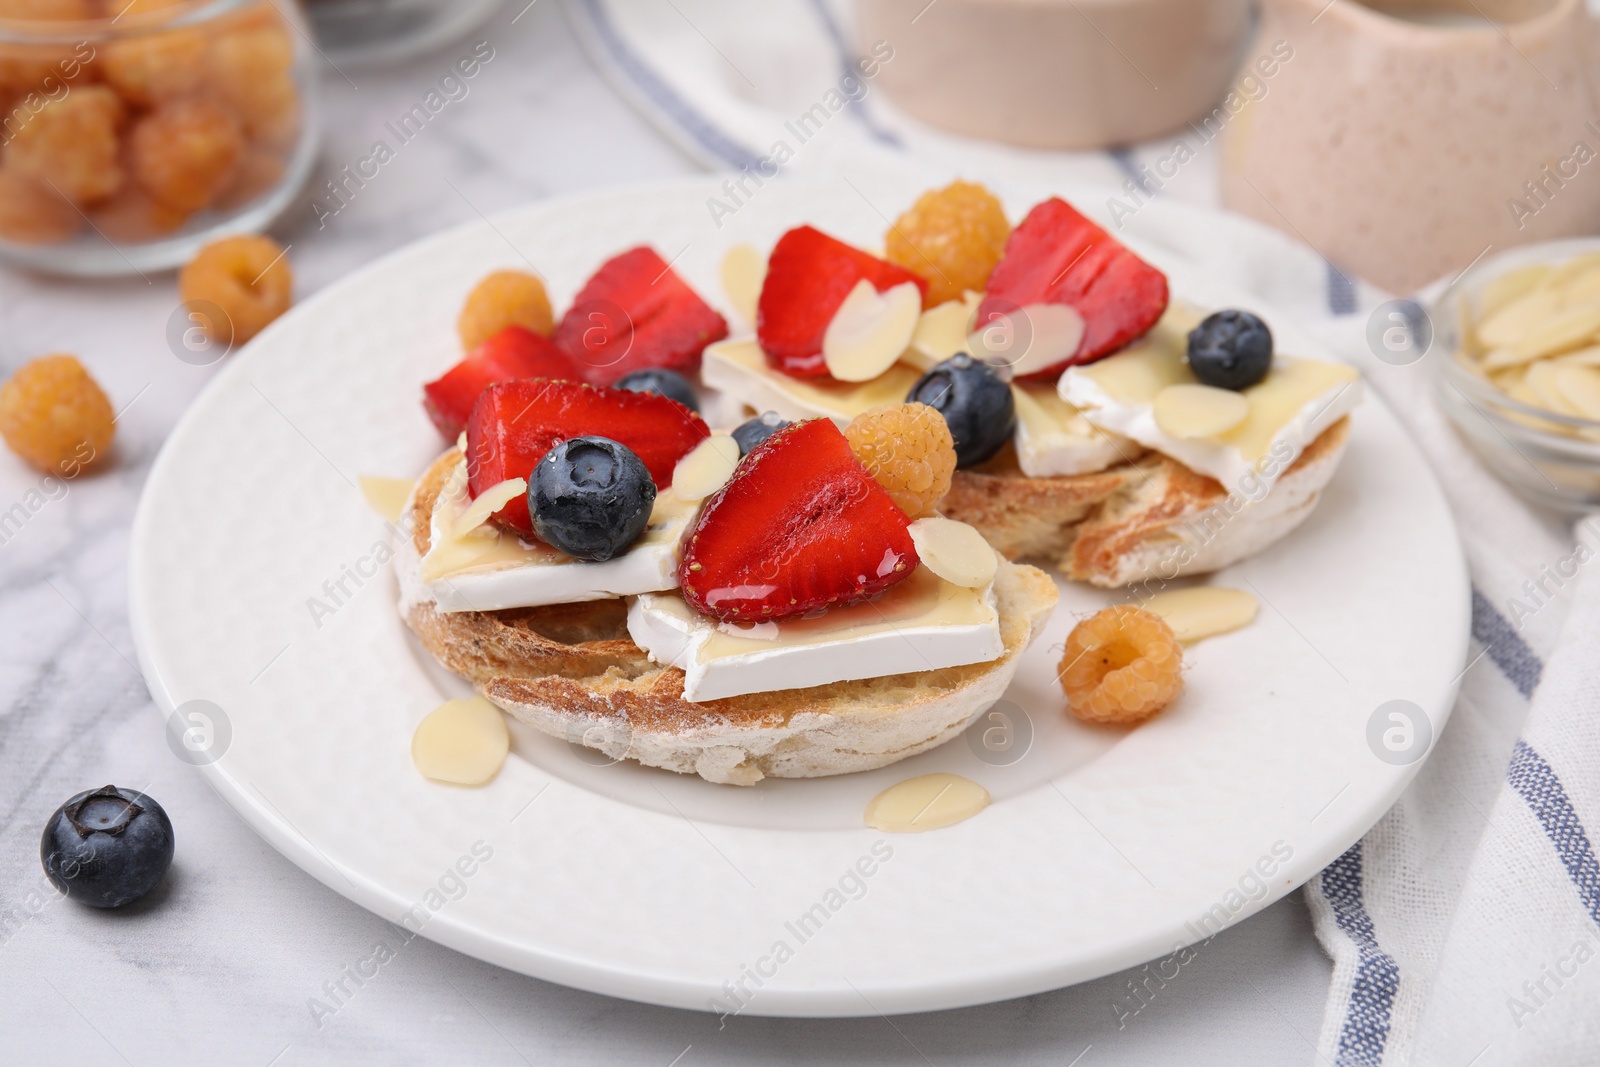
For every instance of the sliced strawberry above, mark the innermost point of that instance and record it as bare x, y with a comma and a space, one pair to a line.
515, 423
1056, 256
635, 312
808, 276
510, 354
801, 525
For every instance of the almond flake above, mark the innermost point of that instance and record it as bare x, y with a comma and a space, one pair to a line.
1511, 286
1512, 324
486, 504
1587, 357
461, 741
1204, 611
1542, 380
1579, 386
869, 331
1498, 358
706, 468
942, 331
743, 272
387, 496
1198, 411
954, 551
1582, 289
1563, 273
1561, 331
1030, 339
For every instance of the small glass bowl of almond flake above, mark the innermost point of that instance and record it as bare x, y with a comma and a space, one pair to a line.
1518, 370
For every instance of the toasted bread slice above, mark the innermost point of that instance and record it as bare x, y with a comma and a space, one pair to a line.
571, 671
1025, 517
1150, 518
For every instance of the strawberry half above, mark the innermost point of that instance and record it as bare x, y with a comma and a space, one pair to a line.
635, 312
1056, 256
808, 276
515, 423
801, 525
510, 354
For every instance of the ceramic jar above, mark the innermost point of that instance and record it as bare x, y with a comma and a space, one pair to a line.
1407, 140
1064, 74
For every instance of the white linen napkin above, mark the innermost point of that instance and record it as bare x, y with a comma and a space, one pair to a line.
1465, 926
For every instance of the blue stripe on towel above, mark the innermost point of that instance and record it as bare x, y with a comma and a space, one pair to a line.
1538, 785
661, 96
1366, 1022
847, 65
1341, 291
1505, 646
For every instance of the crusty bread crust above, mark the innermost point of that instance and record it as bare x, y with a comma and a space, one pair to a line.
1170, 521
572, 671
1025, 517
1150, 518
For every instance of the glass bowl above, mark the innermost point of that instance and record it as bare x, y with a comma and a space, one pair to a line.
1550, 457
371, 32
128, 140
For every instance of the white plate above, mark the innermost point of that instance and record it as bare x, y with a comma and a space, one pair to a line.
1101, 849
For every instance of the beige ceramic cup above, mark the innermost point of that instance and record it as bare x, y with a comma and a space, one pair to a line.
1066, 74
1407, 138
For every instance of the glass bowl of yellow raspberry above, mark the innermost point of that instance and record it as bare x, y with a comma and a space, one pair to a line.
132, 132
1516, 367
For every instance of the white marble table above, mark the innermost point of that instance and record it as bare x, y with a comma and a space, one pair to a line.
220, 967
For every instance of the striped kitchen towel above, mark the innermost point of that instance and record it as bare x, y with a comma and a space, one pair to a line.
1465, 926
1461, 926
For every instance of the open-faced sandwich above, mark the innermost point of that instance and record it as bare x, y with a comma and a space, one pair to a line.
830, 584
1099, 425
781, 600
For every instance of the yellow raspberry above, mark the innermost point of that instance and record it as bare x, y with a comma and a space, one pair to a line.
186, 152
1121, 666
248, 278
908, 449
55, 416
504, 298
953, 237
71, 145
33, 213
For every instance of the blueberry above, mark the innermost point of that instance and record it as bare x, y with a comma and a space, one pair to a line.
1230, 350
107, 847
752, 432
975, 402
591, 497
669, 383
